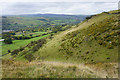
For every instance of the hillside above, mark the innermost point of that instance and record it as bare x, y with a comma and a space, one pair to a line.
97, 43
86, 50
96, 38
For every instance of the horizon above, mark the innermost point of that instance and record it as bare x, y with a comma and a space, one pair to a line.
41, 14
66, 8
51, 14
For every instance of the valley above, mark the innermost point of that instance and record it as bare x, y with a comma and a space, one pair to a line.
85, 49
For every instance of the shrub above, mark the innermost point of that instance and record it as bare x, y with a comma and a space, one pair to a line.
31, 35
104, 44
100, 42
50, 37
114, 43
110, 47
39, 44
92, 60
35, 48
9, 51
8, 41
87, 52
108, 58
15, 52
89, 17
74, 68
29, 57
21, 49
106, 12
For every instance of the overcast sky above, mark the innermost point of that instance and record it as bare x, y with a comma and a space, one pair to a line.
12, 7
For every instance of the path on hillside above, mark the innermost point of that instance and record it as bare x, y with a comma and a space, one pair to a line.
82, 67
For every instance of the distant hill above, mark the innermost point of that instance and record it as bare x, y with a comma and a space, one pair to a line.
44, 21
53, 15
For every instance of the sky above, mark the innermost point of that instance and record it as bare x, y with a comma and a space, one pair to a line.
72, 7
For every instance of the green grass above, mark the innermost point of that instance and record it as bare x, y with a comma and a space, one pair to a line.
81, 45
97, 53
19, 43
38, 33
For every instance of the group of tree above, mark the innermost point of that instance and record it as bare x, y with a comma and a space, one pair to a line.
21, 37
36, 45
39, 44
8, 40
7, 34
16, 51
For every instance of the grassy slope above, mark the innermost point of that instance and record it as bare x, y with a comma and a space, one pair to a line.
82, 45
51, 50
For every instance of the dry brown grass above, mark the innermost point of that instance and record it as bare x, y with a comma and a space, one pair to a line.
106, 69
37, 69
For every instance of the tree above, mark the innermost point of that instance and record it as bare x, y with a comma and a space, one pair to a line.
9, 51
15, 52
89, 17
29, 57
8, 41
31, 35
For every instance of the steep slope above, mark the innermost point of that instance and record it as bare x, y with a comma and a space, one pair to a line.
93, 40
97, 43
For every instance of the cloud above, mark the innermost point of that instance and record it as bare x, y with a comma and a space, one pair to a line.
86, 8
59, 0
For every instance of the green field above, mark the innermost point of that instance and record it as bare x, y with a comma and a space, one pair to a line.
38, 33
18, 43
28, 33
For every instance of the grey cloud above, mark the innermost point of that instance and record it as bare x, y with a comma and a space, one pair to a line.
57, 7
